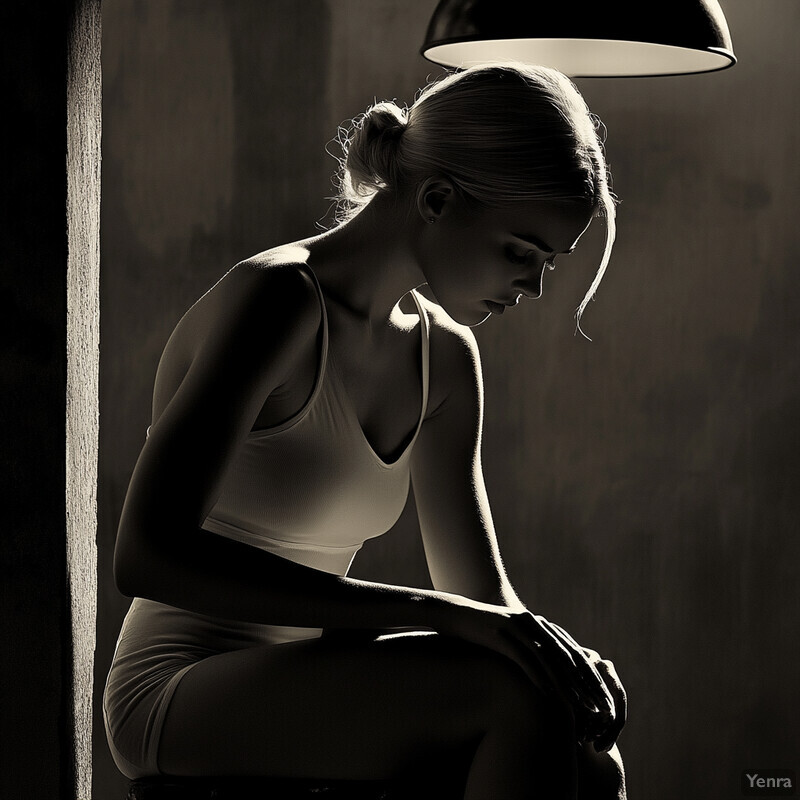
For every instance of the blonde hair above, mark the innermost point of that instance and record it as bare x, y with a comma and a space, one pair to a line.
501, 133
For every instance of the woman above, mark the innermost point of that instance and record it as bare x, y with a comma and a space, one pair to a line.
293, 404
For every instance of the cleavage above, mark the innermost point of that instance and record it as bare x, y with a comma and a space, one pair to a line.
384, 385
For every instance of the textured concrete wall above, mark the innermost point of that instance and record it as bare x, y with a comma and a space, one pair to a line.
83, 357
48, 362
641, 483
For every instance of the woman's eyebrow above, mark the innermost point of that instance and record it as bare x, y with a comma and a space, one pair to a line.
535, 241
538, 243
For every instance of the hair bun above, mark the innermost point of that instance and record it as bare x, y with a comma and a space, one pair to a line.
371, 160
385, 118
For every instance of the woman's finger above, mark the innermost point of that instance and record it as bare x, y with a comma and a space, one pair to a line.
605, 732
590, 678
607, 738
537, 668
551, 659
566, 664
592, 659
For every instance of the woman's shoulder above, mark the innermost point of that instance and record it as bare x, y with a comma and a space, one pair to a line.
262, 308
262, 311
454, 357
274, 289
453, 339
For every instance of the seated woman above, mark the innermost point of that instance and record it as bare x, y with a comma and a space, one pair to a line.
293, 405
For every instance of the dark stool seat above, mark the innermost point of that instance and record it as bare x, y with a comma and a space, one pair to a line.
213, 788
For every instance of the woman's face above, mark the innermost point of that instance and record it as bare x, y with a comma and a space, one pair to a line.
477, 262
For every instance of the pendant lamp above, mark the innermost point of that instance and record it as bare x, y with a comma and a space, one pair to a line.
583, 38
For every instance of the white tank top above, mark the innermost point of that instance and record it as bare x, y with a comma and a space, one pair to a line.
312, 489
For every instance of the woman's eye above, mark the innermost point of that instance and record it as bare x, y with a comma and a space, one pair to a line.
515, 257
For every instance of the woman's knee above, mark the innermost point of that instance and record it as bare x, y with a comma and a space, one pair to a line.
527, 706
468, 682
510, 699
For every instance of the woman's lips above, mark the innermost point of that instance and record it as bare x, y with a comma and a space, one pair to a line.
495, 308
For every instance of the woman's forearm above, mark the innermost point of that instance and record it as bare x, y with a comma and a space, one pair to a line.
212, 575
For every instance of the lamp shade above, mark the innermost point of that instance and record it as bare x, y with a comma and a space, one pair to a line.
583, 38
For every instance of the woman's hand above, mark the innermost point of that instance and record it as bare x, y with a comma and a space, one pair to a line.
549, 656
554, 661
596, 727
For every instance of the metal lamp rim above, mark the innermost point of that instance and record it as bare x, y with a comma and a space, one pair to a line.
726, 53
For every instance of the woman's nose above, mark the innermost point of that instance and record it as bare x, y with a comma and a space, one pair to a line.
531, 285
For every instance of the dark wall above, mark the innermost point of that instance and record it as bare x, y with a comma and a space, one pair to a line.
641, 483
48, 405
34, 672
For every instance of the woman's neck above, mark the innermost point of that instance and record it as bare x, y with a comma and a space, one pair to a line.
367, 264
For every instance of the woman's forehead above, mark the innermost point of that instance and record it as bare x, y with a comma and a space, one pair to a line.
553, 226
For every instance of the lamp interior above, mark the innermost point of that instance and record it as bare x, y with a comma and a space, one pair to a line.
585, 57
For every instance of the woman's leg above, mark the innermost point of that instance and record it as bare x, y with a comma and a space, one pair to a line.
601, 776
390, 707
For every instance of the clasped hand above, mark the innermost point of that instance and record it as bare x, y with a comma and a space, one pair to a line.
588, 683
578, 676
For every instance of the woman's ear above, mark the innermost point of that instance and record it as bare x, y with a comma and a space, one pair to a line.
433, 198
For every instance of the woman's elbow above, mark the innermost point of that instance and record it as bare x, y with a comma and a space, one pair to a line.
124, 577
129, 572
138, 563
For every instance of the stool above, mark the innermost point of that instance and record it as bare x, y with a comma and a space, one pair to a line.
229, 788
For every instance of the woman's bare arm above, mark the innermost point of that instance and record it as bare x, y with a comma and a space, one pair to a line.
267, 316
456, 524
455, 518
264, 319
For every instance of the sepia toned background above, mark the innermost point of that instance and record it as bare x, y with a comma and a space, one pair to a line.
643, 484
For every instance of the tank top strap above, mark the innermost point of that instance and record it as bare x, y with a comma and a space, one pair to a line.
323, 349
425, 331
322, 363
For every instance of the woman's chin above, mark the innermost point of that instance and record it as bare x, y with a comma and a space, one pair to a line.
470, 317
480, 322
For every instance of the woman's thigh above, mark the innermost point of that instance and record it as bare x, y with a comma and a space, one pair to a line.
341, 709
